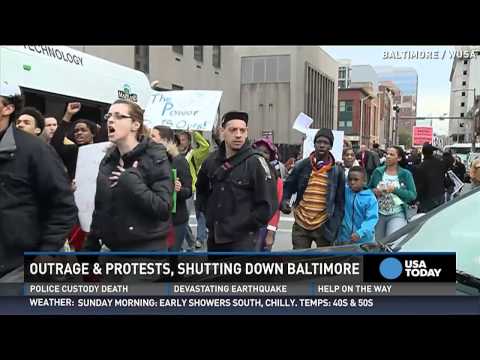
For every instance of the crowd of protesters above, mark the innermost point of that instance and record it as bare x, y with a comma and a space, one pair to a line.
236, 191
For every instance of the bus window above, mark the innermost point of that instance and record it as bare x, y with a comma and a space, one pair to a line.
35, 100
461, 148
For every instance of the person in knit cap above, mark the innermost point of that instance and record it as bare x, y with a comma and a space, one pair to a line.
267, 233
236, 189
320, 187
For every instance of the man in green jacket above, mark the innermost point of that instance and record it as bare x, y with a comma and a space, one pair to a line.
195, 157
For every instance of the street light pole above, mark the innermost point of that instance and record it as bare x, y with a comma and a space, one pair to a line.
396, 138
474, 122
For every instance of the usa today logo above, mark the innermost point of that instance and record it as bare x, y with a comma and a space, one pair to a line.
391, 268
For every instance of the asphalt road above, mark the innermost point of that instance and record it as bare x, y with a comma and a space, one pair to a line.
283, 238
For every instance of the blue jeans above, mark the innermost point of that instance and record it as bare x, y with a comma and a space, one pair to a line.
188, 233
261, 242
388, 224
201, 225
180, 231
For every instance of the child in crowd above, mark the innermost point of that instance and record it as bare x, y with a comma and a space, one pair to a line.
361, 210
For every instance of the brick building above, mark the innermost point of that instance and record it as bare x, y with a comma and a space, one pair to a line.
352, 118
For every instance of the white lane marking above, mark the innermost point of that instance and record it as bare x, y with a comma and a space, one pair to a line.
282, 218
278, 230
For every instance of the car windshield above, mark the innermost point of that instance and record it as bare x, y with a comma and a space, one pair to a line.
455, 228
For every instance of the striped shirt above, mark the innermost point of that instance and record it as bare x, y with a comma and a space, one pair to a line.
311, 212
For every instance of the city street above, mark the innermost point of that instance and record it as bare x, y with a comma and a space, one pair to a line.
283, 238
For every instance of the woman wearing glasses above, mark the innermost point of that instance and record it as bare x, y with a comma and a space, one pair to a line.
133, 200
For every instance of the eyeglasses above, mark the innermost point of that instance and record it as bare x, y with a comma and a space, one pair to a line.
116, 116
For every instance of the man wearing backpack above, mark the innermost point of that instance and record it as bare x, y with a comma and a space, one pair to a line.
236, 189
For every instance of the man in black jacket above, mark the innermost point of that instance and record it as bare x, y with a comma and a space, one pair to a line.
429, 180
235, 189
83, 131
37, 207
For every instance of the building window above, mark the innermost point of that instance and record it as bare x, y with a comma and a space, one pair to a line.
462, 114
265, 69
464, 72
341, 74
464, 83
463, 93
177, 49
349, 106
319, 100
345, 124
341, 84
142, 59
465, 62
177, 87
217, 57
198, 53
346, 106
462, 104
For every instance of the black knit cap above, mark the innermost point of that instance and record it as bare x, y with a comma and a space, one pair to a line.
428, 149
325, 133
234, 115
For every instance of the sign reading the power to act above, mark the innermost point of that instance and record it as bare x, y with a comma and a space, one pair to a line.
183, 110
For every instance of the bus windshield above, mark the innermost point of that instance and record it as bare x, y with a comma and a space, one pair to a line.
461, 148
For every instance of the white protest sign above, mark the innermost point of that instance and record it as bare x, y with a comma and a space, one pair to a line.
88, 161
337, 148
302, 123
182, 110
458, 183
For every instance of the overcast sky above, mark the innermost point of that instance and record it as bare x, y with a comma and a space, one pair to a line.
433, 98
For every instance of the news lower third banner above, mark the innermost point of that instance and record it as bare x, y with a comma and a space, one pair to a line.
237, 283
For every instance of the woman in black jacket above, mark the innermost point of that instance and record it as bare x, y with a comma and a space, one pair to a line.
183, 184
133, 200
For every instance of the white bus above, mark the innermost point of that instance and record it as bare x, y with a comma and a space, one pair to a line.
51, 76
462, 150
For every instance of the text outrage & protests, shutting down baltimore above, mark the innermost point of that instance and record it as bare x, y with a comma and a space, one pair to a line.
201, 268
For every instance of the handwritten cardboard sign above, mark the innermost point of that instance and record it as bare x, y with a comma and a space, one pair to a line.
183, 110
